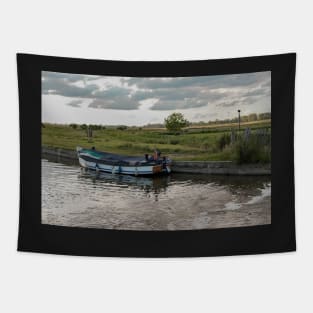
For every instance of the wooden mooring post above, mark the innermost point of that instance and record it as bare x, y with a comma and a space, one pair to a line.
89, 133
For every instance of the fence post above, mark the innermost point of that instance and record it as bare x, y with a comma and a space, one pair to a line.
89, 133
232, 136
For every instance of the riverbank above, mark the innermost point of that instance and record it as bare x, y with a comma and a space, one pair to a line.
196, 167
192, 144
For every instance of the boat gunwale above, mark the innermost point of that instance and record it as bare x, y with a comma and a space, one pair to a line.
83, 153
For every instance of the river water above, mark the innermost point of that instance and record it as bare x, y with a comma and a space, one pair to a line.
78, 198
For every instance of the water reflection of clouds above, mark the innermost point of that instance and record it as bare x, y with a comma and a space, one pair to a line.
177, 183
176, 202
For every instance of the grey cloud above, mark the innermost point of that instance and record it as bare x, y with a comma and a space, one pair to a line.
215, 81
142, 95
192, 92
117, 104
257, 92
75, 103
69, 77
235, 103
243, 101
113, 92
204, 115
61, 86
267, 83
184, 98
112, 98
176, 104
173, 93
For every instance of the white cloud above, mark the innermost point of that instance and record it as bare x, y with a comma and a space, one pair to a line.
108, 99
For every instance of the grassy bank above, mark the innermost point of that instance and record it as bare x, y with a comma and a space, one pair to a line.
206, 143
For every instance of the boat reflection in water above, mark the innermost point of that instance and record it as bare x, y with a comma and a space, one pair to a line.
153, 185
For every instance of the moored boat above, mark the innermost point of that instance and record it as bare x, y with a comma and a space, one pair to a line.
121, 164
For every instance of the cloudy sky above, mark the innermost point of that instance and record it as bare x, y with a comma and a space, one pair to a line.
109, 100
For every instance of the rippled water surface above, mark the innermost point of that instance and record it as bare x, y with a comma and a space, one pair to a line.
73, 197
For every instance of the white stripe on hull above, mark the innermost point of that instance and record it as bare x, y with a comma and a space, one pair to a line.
131, 170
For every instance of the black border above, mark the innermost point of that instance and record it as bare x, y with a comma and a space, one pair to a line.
276, 237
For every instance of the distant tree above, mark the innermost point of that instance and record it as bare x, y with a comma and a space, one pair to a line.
74, 126
252, 117
95, 127
122, 127
264, 116
244, 118
83, 126
175, 122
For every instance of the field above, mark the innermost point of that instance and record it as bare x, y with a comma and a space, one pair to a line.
193, 143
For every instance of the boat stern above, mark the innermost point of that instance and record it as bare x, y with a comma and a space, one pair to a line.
166, 165
157, 169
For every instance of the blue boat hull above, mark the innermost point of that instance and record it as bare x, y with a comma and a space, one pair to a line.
117, 164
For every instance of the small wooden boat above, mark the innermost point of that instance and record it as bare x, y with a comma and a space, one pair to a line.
120, 164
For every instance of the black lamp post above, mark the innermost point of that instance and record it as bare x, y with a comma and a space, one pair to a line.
239, 120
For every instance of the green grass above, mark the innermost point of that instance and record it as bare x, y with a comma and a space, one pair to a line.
192, 144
